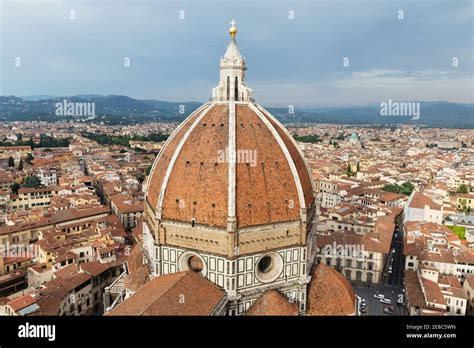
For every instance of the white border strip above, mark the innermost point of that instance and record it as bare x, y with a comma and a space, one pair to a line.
174, 158
292, 140
162, 150
296, 178
232, 160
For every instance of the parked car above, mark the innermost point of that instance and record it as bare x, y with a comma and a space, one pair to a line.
362, 310
390, 269
385, 300
396, 235
387, 310
393, 251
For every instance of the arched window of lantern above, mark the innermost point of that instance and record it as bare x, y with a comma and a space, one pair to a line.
236, 88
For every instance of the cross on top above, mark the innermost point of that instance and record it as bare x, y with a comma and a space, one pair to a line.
233, 23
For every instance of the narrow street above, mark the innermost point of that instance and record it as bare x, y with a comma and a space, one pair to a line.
391, 285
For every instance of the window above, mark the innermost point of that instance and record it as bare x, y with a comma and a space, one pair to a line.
265, 264
236, 92
195, 264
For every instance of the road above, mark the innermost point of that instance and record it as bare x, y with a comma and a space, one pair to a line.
396, 260
391, 284
373, 305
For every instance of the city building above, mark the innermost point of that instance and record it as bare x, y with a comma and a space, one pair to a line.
421, 208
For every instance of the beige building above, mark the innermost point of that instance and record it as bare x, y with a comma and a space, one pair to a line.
469, 287
359, 255
430, 293
29, 198
465, 201
128, 209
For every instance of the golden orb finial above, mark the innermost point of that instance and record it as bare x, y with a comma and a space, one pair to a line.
233, 29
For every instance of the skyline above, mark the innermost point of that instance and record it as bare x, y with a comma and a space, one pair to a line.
177, 59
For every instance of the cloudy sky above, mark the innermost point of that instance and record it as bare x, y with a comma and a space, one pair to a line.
292, 57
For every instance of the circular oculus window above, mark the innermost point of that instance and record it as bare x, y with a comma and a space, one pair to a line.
269, 267
192, 262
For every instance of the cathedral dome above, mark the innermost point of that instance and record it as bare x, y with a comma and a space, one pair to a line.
230, 198
329, 293
230, 163
230, 159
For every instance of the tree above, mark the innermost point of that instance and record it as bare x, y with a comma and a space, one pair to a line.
148, 170
391, 188
20, 165
29, 158
406, 188
11, 161
32, 182
314, 138
462, 189
15, 187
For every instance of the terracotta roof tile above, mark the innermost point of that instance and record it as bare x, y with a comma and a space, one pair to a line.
272, 302
183, 293
329, 293
420, 200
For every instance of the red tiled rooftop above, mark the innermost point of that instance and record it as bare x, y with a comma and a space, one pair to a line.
272, 302
184, 293
329, 293
22, 302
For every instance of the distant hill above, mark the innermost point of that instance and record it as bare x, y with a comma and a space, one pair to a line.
112, 109
442, 114
119, 109
38, 97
